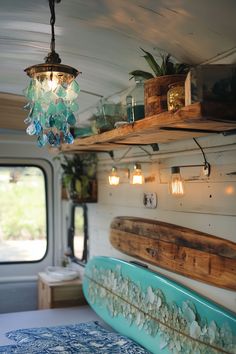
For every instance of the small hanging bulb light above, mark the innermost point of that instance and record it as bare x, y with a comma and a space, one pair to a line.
176, 183
52, 94
137, 176
114, 178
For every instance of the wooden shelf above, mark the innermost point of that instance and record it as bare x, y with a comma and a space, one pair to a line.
191, 121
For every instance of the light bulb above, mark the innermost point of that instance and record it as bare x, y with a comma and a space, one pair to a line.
137, 176
52, 84
176, 184
114, 179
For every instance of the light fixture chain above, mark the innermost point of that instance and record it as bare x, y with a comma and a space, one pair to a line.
52, 57
52, 22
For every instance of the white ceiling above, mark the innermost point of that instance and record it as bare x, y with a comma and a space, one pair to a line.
102, 38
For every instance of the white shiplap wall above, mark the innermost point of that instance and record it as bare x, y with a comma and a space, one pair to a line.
209, 204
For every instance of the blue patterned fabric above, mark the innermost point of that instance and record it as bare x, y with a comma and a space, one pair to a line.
80, 338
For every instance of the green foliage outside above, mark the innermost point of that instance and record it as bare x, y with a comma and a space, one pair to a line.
23, 208
79, 220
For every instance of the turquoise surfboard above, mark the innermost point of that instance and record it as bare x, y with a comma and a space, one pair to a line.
156, 312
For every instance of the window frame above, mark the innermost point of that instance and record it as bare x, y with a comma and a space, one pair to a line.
29, 164
71, 234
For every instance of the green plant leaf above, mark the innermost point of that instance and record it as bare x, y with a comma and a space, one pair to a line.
152, 63
146, 75
167, 66
181, 68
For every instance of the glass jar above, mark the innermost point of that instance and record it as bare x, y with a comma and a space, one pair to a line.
108, 113
176, 96
135, 101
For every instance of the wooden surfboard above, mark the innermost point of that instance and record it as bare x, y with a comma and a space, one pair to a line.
156, 312
188, 252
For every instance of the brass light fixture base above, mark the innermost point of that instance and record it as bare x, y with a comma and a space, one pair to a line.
41, 69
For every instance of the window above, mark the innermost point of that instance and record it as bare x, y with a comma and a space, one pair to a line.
78, 236
23, 214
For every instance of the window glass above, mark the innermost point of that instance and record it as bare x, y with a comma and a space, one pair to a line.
79, 235
23, 214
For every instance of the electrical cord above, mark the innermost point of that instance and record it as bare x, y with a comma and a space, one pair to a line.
204, 156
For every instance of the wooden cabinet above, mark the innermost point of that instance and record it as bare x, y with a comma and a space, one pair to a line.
195, 120
59, 294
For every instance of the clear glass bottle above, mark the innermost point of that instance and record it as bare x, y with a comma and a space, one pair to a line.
135, 101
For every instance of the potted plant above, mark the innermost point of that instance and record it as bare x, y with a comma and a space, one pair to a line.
157, 84
79, 176
67, 166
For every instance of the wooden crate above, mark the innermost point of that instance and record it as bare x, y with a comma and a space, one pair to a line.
59, 294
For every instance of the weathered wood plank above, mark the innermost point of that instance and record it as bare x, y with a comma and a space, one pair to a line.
93, 147
191, 121
182, 250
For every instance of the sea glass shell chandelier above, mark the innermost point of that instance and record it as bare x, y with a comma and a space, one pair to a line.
52, 97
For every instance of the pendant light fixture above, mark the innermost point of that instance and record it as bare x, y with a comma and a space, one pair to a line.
52, 94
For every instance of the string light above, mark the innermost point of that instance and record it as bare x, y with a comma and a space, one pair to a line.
136, 175
176, 184
114, 178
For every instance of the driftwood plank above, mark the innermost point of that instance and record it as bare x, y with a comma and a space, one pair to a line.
191, 121
188, 252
